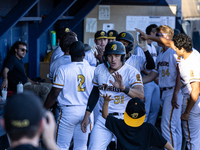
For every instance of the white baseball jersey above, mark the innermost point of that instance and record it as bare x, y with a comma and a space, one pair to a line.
56, 54
75, 79
166, 68
65, 59
190, 71
137, 62
89, 56
152, 50
131, 77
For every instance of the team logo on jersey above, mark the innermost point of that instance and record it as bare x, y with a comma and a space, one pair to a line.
138, 77
55, 78
191, 73
134, 115
67, 30
114, 47
102, 33
123, 34
111, 34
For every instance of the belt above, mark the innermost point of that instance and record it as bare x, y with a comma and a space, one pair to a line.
114, 114
167, 88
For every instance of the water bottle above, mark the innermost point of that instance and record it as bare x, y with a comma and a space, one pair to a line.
19, 88
4, 93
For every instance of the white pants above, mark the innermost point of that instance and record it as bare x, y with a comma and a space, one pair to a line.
100, 136
191, 128
171, 122
152, 101
69, 126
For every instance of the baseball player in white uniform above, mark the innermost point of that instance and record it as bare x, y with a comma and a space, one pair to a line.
100, 39
135, 61
190, 77
71, 88
166, 69
67, 39
117, 79
151, 89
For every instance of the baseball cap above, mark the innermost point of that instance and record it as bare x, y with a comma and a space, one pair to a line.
112, 34
62, 31
100, 35
135, 113
77, 49
23, 110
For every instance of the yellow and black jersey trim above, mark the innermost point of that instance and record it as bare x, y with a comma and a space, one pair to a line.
95, 83
58, 84
136, 82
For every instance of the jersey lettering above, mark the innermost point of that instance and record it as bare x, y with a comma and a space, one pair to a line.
82, 80
165, 72
105, 87
163, 63
119, 99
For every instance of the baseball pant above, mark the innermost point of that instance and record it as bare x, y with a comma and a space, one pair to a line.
69, 126
191, 128
152, 101
100, 136
171, 122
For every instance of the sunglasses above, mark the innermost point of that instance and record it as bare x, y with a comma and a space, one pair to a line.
23, 50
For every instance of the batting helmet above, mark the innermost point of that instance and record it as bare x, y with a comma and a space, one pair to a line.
114, 47
127, 37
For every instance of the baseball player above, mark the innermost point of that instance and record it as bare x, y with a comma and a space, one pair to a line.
116, 78
151, 89
189, 76
65, 42
101, 39
136, 61
112, 34
71, 87
166, 69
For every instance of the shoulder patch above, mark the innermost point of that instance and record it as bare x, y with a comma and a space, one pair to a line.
191, 73
138, 77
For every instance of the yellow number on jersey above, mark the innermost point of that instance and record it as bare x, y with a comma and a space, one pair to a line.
165, 72
82, 80
118, 99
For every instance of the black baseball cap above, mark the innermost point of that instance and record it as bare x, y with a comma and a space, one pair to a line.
112, 34
76, 49
62, 31
23, 111
100, 35
134, 115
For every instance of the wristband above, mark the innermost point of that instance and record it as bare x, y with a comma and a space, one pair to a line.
126, 90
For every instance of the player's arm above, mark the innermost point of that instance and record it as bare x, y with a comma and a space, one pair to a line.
107, 99
150, 62
161, 40
193, 98
52, 96
169, 146
150, 77
5, 78
176, 89
92, 101
143, 45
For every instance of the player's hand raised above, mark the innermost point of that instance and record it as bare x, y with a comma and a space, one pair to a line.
106, 97
119, 83
99, 53
145, 36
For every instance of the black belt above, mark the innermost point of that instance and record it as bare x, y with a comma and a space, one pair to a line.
114, 114
167, 88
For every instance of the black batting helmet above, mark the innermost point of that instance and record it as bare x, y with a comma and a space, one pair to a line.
114, 47
127, 37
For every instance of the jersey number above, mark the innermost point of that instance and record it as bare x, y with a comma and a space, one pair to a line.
82, 80
119, 99
165, 72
